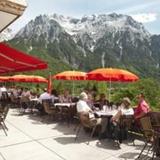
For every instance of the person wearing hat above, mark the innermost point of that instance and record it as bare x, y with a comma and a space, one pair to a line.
117, 132
125, 109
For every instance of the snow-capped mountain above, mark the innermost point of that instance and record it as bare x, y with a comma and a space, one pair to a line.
93, 41
42, 25
96, 25
87, 30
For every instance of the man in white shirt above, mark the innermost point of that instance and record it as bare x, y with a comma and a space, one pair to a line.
45, 96
82, 105
2, 89
83, 108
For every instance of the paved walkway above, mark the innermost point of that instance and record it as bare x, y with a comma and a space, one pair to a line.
31, 139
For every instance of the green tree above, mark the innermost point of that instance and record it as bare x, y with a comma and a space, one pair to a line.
149, 87
89, 85
102, 87
60, 87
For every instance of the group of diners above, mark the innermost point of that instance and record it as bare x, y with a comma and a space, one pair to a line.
87, 101
112, 119
20, 95
108, 114
25, 98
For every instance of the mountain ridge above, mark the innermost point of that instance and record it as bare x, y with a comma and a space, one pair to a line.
95, 41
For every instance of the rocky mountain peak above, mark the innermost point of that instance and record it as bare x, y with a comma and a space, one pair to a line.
43, 27
95, 26
108, 40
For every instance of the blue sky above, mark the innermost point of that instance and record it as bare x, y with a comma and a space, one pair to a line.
145, 11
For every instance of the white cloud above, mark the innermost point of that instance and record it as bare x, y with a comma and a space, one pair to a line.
144, 17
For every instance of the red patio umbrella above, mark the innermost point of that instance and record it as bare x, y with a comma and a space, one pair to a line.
4, 78
71, 75
112, 75
28, 78
13, 60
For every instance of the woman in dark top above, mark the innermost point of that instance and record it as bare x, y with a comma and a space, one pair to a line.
102, 101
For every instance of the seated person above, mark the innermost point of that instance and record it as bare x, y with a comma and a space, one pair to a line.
25, 98
54, 96
82, 105
90, 101
125, 109
102, 101
14, 92
140, 111
4, 101
84, 109
26, 93
2, 89
54, 92
44, 96
112, 106
142, 108
120, 133
65, 98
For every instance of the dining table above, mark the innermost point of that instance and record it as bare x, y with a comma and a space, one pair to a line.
106, 114
68, 109
103, 114
64, 104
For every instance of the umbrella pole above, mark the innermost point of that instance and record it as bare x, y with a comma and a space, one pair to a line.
109, 94
73, 85
73, 88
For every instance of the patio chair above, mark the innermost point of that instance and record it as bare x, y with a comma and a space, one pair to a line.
148, 134
85, 121
24, 102
3, 116
126, 124
119, 130
50, 111
77, 121
4, 99
155, 120
156, 145
14, 101
64, 113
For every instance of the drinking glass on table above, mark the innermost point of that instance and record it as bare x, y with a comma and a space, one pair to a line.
114, 107
105, 108
110, 109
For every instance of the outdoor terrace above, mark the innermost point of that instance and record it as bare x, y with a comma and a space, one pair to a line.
32, 138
